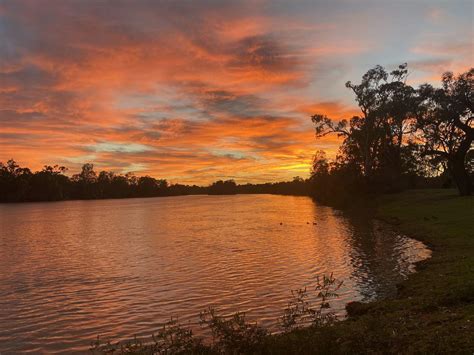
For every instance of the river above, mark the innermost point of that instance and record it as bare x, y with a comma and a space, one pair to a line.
70, 271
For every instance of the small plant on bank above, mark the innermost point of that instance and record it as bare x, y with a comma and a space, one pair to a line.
233, 334
172, 338
300, 311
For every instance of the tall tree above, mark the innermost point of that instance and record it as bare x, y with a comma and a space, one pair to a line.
373, 140
446, 119
14, 181
86, 182
49, 184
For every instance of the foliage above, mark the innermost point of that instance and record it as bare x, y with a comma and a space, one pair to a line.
446, 121
228, 187
233, 334
402, 136
372, 140
300, 312
14, 181
173, 338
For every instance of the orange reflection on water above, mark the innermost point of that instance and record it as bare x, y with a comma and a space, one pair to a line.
74, 270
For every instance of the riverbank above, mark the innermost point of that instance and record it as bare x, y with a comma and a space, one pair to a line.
434, 310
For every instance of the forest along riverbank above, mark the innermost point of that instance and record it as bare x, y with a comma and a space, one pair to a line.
434, 309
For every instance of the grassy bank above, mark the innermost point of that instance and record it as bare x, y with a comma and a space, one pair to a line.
434, 311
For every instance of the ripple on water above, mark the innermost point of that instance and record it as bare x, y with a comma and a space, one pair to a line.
77, 269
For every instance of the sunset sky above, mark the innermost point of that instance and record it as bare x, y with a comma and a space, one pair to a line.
195, 91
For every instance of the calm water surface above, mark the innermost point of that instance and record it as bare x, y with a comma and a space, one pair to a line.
72, 270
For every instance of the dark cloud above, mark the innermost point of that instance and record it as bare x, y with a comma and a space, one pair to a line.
271, 142
29, 76
14, 116
243, 105
263, 52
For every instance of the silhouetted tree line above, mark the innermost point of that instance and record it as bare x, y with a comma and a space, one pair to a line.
405, 137
298, 186
51, 184
19, 184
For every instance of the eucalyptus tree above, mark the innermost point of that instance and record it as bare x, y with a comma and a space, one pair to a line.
446, 120
86, 183
14, 181
49, 184
373, 140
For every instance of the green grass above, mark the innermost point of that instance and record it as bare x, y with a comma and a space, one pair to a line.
434, 310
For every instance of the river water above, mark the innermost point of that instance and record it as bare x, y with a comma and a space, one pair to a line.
70, 271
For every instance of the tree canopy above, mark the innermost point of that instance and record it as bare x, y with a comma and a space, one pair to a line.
402, 132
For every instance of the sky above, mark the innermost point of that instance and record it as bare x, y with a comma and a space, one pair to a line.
196, 91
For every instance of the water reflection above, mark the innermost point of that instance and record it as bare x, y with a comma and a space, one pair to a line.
72, 270
379, 255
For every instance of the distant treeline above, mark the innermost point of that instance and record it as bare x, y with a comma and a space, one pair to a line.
18, 184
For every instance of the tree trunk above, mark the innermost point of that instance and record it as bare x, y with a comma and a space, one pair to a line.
460, 175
